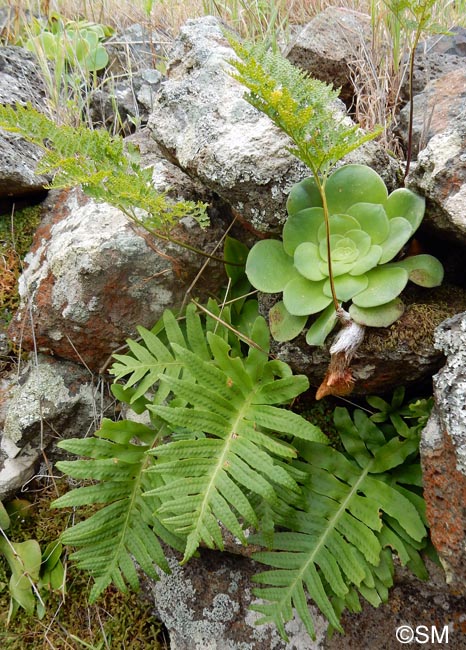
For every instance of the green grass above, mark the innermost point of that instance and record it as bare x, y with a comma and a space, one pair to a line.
116, 622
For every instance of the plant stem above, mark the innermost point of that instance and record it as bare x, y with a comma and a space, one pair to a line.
321, 187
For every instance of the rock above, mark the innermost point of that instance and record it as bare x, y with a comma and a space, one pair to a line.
443, 454
121, 106
329, 46
91, 277
427, 608
440, 175
20, 82
402, 354
204, 125
50, 399
204, 606
436, 57
436, 110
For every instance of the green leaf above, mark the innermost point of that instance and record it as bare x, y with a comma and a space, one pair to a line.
354, 184
235, 251
385, 284
322, 326
303, 297
268, 267
303, 195
404, 203
302, 227
381, 316
283, 325
400, 232
424, 270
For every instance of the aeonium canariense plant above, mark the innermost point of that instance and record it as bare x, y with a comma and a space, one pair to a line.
367, 230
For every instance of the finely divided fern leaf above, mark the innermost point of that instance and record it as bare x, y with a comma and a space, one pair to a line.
101, 163
303, 107
336, 543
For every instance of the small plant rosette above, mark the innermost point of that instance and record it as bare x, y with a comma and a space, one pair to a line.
368, 229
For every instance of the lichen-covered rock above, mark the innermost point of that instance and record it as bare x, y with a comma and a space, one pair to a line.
204, 605
402, 354
440, 171
91, 277
202, 122
329, 46
126, 103
443, 454
49, 399
20, 82
436, 109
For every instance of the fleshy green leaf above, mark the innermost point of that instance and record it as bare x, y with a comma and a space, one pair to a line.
283, 325
424, 270
268, 267
385, 284
381, 316
303, 297
354, 184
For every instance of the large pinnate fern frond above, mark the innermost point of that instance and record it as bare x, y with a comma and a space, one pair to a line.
124, 531
210, 480
335, 545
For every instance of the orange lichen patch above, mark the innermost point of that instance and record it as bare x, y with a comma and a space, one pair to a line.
445, 496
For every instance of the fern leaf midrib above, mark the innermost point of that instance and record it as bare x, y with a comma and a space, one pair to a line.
114, 565
206, 501
299, 578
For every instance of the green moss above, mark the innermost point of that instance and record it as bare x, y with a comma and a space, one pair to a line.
415, 329
16, 235
119, 621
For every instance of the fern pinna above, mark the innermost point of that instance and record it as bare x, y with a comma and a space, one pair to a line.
221, 451
357, 507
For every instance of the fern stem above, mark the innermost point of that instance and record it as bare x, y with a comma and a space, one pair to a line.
321, 187
177, 242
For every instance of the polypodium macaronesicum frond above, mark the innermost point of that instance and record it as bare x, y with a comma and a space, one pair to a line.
336, 545
124, 531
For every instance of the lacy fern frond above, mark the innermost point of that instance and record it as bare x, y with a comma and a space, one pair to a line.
303, 107
337, 545
106, 169
124, 531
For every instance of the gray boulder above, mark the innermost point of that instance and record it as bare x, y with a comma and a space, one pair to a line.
50, 399
204, 125
20, 82
204, 604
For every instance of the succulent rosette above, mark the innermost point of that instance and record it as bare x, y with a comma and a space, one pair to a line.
368, 229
